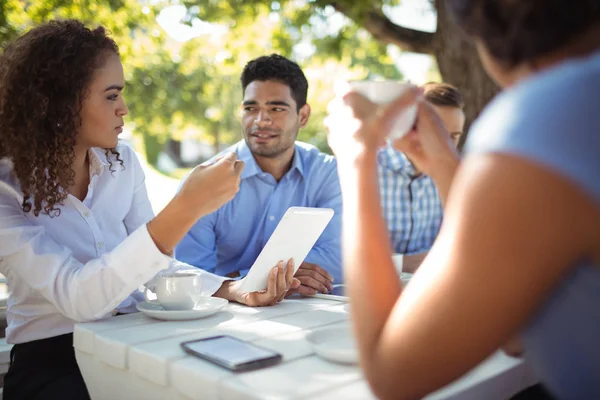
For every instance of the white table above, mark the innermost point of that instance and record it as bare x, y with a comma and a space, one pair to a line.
135, 357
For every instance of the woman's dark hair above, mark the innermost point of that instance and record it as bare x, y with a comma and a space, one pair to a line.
515, 31
279, 69
44, 77
443, 95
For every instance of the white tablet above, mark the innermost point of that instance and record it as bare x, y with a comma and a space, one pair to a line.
294, 237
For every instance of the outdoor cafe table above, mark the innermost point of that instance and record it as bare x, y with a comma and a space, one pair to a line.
136, 357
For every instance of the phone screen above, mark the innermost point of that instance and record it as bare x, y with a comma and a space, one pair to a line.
229, 351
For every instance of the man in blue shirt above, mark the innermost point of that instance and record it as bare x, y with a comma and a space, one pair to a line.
412, 207
279, 173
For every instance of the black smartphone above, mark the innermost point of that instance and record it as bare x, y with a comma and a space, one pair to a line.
231, 353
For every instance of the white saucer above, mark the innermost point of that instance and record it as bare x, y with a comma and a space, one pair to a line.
335, 344
206, 307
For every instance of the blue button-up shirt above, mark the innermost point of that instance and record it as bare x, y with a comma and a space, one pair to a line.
411, 204
231, 238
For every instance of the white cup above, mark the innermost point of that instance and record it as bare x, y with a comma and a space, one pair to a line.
178, 291
383, 92
398, 262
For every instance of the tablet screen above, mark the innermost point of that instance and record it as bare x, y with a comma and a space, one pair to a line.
294, 237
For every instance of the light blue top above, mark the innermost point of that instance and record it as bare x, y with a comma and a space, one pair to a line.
553, 119
231, 238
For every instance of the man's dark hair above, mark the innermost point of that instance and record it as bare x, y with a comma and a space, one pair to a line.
443, 95
515, 31
279, 69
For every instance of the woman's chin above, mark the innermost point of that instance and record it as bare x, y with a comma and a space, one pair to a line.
109, 144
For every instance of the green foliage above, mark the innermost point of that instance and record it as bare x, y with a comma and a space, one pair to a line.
260, 27
119, 16
182, 90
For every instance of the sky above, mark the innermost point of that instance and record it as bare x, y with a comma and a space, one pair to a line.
416, 14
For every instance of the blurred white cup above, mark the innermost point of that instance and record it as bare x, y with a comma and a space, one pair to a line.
398, 262
383, 92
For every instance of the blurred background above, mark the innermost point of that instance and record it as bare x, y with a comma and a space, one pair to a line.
182, 62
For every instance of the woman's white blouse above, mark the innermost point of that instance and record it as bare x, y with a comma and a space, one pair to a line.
86, 262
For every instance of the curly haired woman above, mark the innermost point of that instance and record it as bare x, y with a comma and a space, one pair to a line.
78, 236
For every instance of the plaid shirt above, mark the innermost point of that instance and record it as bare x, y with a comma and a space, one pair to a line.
411, 205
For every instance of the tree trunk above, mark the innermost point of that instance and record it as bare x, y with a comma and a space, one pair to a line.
173, 149
459, 65
455, 54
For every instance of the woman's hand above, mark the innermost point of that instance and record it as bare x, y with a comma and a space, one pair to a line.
281, 279
428, 144
205, 190
513, 348
357, 126
208, 188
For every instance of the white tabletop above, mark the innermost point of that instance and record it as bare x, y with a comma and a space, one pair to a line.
133, 356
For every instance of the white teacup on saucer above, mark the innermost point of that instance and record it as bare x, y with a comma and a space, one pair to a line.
181, 290
206, 307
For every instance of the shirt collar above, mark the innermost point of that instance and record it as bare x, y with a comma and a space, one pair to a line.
98, 161
396, 161
96, 156
8, 179
297, 162
251, 168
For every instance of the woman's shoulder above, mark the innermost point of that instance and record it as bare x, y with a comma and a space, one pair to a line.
551, 119
560, 102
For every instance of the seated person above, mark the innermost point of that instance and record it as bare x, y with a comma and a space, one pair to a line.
411, 204
279, 173
77, 233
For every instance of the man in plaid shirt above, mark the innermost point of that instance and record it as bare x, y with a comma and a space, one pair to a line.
410, 201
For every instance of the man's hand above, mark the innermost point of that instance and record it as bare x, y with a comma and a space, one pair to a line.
208, 187
313, 279
281, 281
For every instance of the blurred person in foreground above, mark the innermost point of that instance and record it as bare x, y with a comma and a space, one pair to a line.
519, 249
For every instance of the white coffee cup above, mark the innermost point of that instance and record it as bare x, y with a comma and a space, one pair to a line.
177, 291
383, 92
398, 260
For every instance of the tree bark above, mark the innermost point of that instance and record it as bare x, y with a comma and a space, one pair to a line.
455, 54
173, 148
459, 65
384, 30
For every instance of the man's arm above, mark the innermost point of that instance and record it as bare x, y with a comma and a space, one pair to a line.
326, 252
443, 176
323, 265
